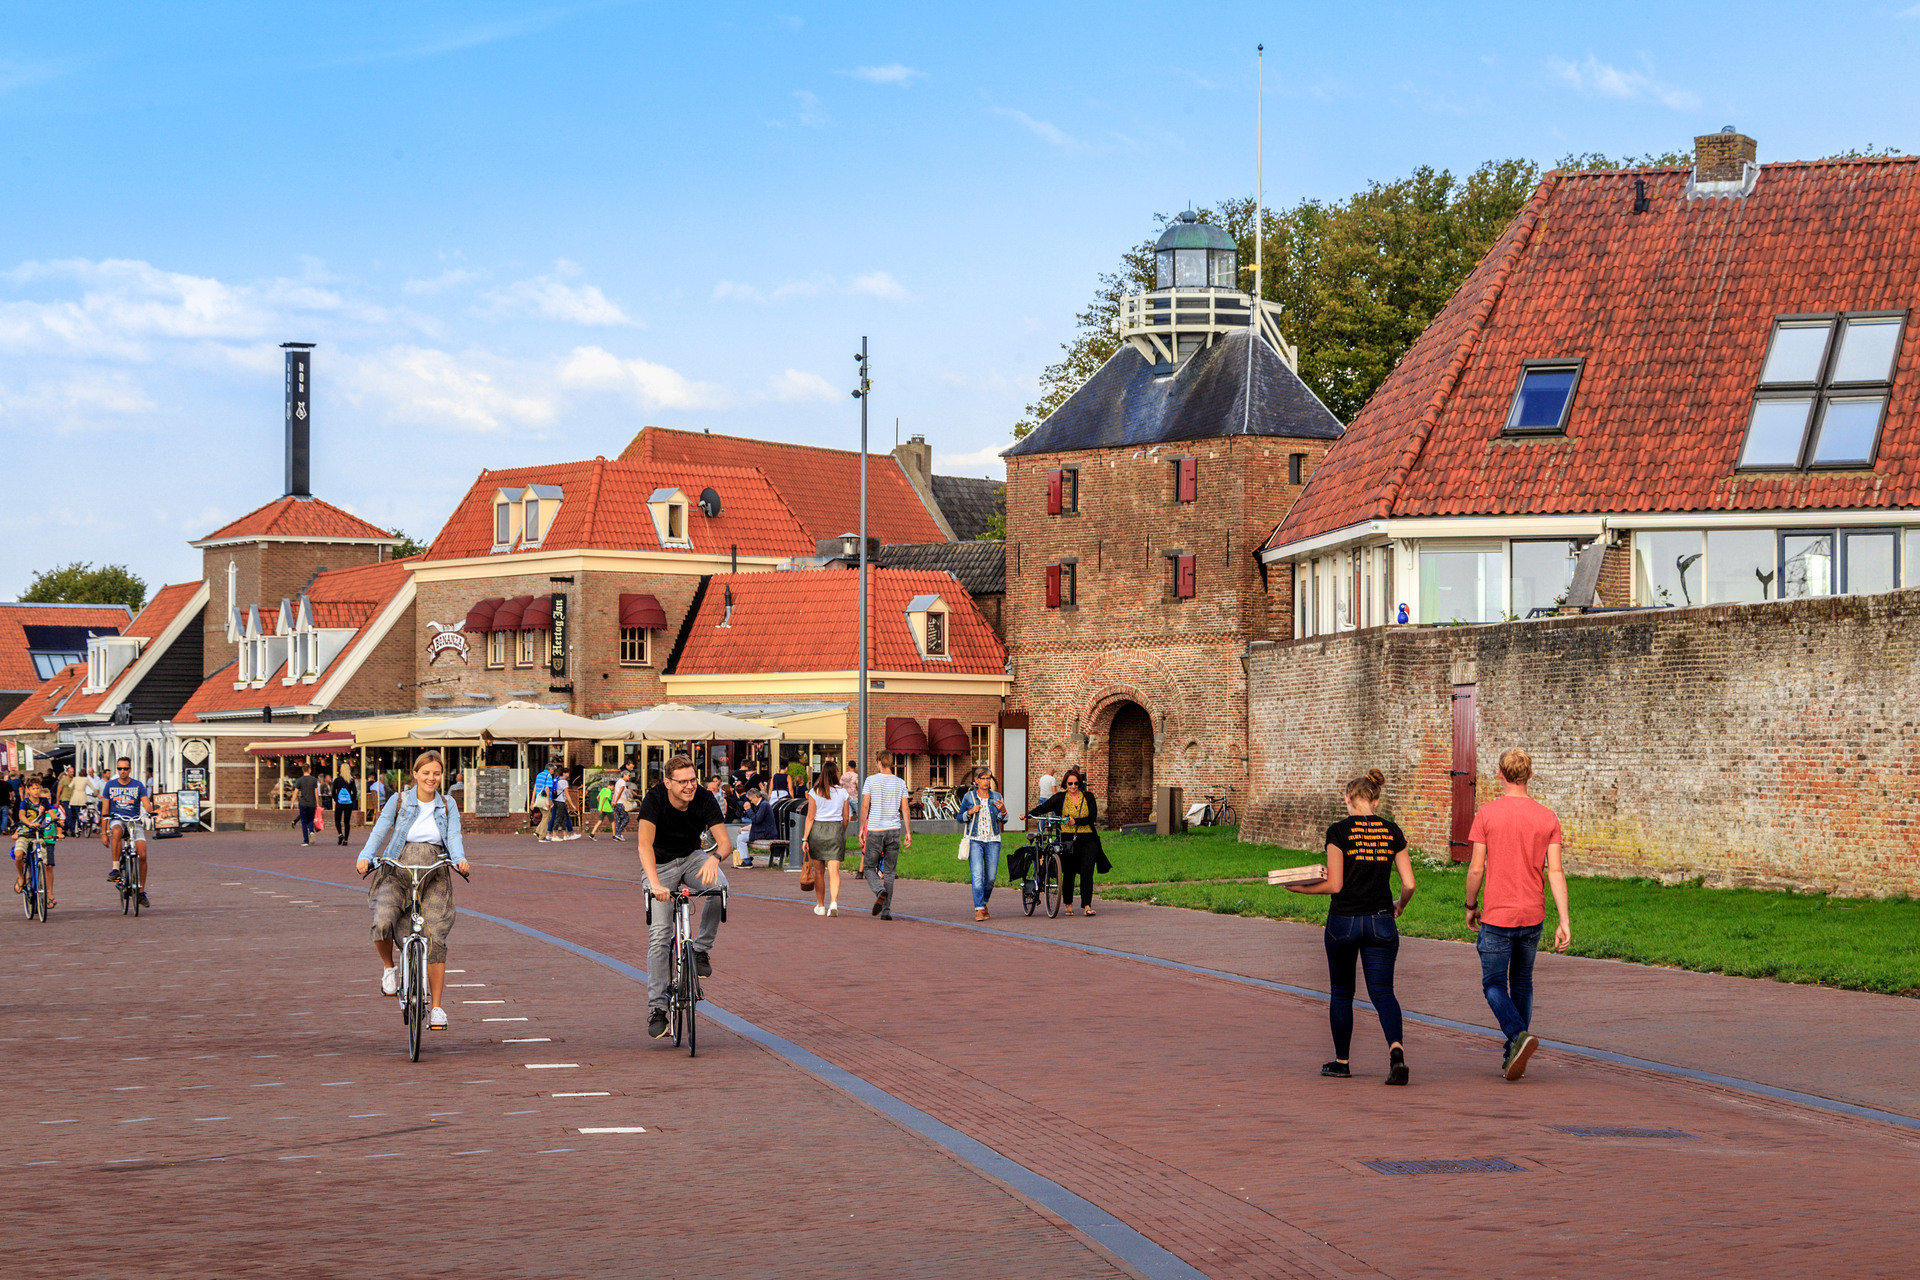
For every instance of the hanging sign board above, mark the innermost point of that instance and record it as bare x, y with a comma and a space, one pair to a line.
557, 653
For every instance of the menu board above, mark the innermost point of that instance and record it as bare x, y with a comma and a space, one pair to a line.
490, 791
189, 808
166, 814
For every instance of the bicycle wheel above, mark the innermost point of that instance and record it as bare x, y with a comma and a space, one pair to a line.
40, 890
1029, 895
417, 1010
1050, 883
676, 977
27, 898
693, 1011
1228, 817
133, 870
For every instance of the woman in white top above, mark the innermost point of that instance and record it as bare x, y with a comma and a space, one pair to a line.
824, 839
417, 827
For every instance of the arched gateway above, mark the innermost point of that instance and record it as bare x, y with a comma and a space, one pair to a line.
1129, 795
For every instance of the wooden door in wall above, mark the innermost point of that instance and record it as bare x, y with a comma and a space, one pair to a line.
1129, 795
1458, 845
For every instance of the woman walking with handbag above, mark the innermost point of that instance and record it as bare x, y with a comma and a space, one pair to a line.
1076, 806
824, 838
983, 812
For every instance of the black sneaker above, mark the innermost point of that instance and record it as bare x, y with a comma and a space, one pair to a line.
885, 914
1339, 1069
1397, 1070
657, 1023
113, 876
702, 965
880, 905
143, 901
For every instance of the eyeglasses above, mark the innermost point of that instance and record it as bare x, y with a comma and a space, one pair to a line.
1074, 785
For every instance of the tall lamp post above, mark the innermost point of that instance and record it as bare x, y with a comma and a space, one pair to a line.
865, 391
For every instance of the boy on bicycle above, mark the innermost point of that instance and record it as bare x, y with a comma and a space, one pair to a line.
39, 820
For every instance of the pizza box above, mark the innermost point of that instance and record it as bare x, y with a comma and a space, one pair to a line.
1313, 874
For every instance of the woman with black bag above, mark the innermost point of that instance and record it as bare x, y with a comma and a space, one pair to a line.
1078, 811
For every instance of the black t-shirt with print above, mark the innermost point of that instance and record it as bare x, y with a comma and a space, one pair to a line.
1368, 843
676, 832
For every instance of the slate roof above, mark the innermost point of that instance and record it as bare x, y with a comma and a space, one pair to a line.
809, 620
968, 504
16, 656
1123, 404
160, 613
297, 519
31, 715
822, 486
981, 567
605, 508
1671, 310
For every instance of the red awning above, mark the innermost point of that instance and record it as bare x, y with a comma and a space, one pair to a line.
538, 615
642, 611
480, 617
904, 736
507, 616
949, 738
318, 744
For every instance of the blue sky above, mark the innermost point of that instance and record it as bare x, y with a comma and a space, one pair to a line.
520, 232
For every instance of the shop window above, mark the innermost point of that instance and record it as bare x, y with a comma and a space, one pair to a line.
529, 649
1186, 479
633, 646
982, 736
497, 648
1823, 392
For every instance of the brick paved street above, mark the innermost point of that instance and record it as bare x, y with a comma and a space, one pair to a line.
223, 1073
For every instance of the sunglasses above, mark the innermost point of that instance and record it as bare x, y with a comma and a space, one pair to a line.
1074, 785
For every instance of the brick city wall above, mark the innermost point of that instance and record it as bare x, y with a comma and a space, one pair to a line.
1763, 744
1128, 639
268, 573
385, 678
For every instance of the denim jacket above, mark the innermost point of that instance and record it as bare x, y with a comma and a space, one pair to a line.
396, 819
971, 801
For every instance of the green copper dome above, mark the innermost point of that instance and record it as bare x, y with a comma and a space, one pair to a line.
1188, 232
1191, 254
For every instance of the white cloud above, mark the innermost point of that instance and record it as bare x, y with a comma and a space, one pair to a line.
810, 113
424, 386
879, 284
1599, 79
654, 385
985, 461
1039, 128
892, 73
798, 385
451, 278
547, 298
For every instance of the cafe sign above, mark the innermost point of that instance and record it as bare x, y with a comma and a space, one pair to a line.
446, 638
557, 636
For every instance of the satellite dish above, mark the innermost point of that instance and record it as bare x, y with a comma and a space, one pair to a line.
709, 503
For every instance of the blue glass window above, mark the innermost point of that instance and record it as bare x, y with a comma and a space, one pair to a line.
1540, 405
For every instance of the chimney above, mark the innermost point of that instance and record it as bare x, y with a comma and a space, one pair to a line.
916, 455
1722, 156
299, 425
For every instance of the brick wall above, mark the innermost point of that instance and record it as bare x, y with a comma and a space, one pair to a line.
385, 678
1764, 744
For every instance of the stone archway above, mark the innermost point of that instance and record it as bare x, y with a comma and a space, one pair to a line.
1129, 795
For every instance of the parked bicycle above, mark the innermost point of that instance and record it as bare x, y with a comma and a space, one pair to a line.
683, 976
131, 830
1040, 865
1217, 812
938, 805
410, 957
38, 893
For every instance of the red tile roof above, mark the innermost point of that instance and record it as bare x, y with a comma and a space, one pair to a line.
363, 591
821, 485
605, 508
161, 612
31, 716
301, 519
16, 663
1671, 310
809, 620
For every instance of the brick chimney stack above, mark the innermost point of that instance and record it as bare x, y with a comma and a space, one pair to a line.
1722, 156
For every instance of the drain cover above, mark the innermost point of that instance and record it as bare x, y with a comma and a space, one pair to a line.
1621, 1131
1443, 1166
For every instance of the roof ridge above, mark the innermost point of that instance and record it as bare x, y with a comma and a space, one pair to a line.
771, 444
1516, 237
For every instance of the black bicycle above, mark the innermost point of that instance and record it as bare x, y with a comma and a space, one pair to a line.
1218, 813
130, 886
683, 975
414, 990
36, 896
1041, 869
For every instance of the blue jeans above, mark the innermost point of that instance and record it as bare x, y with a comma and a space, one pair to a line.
1375, 942
1506, 973
983, 860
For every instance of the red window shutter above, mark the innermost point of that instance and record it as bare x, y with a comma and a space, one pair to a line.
1183, 577
1053, 493
1189, 479
1053, 585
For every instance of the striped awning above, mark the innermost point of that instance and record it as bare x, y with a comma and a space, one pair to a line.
642, 611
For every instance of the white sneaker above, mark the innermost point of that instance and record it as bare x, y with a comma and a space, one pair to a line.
390, 983
833, 908
819, 910
438, 1022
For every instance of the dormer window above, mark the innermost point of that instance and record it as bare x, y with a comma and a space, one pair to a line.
1823, 392
669, 509
676, 521
502, 524
936, 635
533, 520
927, 619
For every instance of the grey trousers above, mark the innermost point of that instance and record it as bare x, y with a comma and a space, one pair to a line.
882, 857
660, 931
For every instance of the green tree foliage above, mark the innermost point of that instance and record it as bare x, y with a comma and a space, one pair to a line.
407, 547
1594, 161
81, 583
996, 530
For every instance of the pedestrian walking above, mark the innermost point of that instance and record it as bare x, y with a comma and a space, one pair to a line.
1363, 849
1516, 843
602, 808
561, 819
1046, 787
622, 801
345, 797
306, 789
1079, 813
65, 798
886, 827
850, 783
540, 806
983, 815
824, 837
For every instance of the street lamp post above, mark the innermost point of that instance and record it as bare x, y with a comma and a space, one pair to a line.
862, 395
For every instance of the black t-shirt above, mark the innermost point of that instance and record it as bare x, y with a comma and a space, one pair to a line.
308, 788
1368, 843
676, 832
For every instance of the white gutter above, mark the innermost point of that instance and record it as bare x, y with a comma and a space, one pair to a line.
1325, 541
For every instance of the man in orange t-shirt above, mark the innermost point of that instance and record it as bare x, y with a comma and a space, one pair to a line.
1516, 843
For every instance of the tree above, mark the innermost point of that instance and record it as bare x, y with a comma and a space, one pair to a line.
996, 530
81, 583
407, 547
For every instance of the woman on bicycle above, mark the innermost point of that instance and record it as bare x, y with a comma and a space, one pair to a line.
824, 838
983, 812
417, 827
1362, 849
1076, 807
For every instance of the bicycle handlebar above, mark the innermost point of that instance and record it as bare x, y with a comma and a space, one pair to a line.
412, 866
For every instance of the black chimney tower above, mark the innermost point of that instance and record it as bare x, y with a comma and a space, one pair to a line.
299, 424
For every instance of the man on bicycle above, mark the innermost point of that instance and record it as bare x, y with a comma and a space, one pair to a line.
673, 817
124, 802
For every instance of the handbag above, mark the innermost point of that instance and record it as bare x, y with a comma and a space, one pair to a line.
809, 875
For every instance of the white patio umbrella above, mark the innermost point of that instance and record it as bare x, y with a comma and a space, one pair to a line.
518, 722
677, 722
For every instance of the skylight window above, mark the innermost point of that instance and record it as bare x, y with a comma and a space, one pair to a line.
1823, 392
1545, 395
